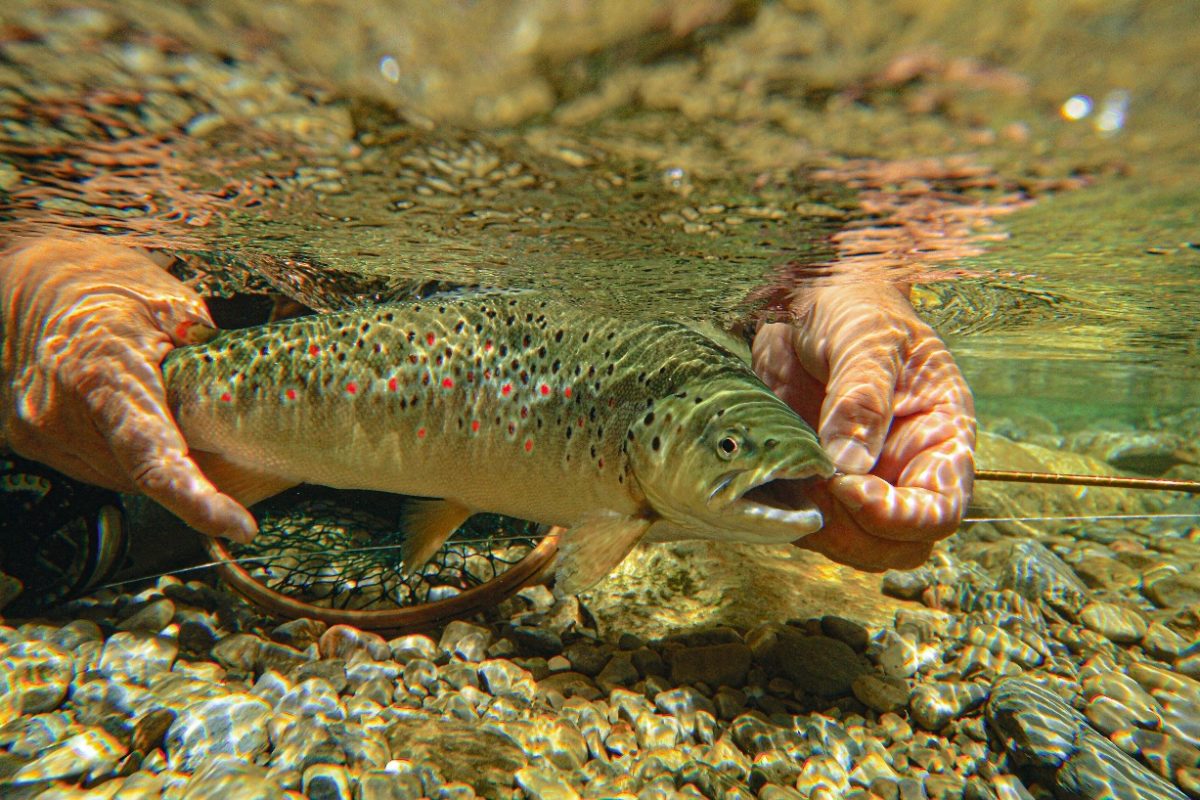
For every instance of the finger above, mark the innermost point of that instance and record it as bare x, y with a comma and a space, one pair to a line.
778, 365
860, 550
857, 411
905, 514
129, 409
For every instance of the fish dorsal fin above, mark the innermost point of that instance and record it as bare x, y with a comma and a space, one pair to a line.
593, 548
427, 525
244, 484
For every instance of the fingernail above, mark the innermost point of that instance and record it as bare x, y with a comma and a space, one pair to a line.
850, 456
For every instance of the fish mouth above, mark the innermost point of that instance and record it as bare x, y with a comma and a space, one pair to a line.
771, 505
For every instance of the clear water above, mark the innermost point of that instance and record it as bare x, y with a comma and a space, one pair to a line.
656, 165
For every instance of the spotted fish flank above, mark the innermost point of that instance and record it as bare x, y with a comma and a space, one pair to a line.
508, 403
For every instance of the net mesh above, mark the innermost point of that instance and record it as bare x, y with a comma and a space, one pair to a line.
323, 552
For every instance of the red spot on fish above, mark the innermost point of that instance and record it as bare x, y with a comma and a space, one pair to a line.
524, 412
226, 397
487, 374
612, 402
352, 388
567, 392
393, 384
601, 463
512, 428
528, 445
487, 346
430, 339
290, 394
545, 390
580, 422
420, 433
474, 424
470, 377
506, 389
313, 350
448, 383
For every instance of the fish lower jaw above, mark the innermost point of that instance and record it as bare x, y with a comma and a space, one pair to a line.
779, 524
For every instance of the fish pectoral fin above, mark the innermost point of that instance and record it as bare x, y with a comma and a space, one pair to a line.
593, 548
427, 525
244, 484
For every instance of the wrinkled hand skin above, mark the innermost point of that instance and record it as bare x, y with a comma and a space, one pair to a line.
894, 413
86, 326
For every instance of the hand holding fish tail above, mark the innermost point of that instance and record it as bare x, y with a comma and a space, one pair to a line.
85, 326
892, 410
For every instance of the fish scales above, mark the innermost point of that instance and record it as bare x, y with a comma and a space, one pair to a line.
511, 403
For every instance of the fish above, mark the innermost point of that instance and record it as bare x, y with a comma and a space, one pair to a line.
508, 402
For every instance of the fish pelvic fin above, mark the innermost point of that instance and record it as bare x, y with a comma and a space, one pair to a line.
245, 484
593, 548
427, 525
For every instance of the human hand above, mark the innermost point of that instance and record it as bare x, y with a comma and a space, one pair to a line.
86, 325
892, 410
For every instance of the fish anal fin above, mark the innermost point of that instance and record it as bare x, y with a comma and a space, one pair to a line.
244, 484
427, 525
593, 548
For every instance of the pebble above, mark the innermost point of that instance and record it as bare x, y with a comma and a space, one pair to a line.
1117, 623
91, 754
1041, 731
150, 618
299, 633
465, 640
934, 705
880, 693
349, 643
35, 676
232, 725
223, 777
713, 665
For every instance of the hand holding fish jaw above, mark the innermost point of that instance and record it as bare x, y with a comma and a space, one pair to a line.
85, 326
894, 413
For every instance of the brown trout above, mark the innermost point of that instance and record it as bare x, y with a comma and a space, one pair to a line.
503, 402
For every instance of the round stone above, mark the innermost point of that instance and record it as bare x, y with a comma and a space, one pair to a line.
234, 725
1116, 623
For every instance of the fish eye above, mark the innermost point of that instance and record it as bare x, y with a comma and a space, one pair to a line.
727, 446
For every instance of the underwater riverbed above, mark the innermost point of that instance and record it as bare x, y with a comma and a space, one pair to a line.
1031, 170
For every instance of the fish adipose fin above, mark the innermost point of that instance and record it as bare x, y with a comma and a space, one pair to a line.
244, 484
593, 548
427, 525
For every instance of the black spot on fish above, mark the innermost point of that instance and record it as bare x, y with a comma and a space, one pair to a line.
558, 334
479, 327
527, 340
649, 419
641, 377
655, 444
542, 351
366, 326
403, 404
629, 435
503, 350
208, 359
390, 317
586, 335
720, 412
416, 399
441, 309
568, 431
378, 347
412, 336
265, 351
555, 366
529, 317
510, 321
609, 371
699, 400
